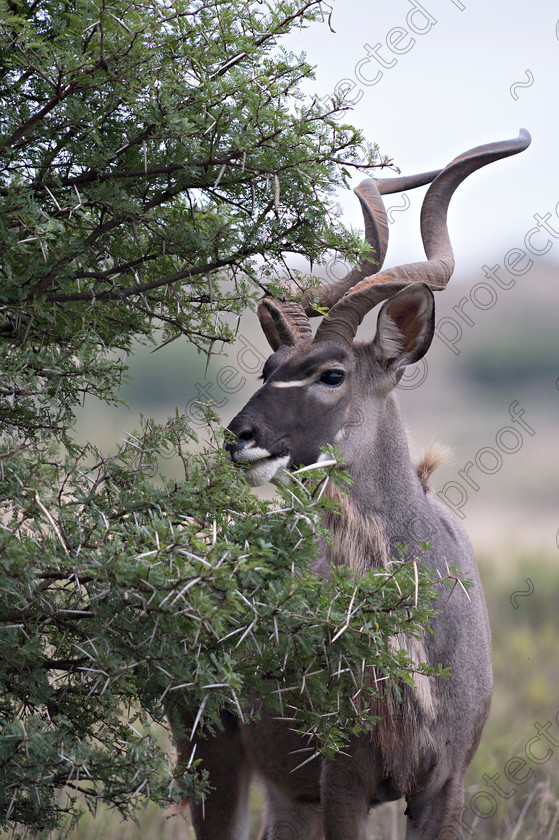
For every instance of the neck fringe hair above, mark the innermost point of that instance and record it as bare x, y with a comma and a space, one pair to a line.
402, 734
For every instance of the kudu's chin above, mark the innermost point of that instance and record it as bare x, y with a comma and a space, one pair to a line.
263, 466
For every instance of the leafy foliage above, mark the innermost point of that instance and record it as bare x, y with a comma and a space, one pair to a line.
157, 161
125, 597
150, 152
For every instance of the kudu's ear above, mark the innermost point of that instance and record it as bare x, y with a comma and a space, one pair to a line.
405, 328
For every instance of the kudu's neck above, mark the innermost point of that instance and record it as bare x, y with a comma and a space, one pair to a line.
378, 458
386, 497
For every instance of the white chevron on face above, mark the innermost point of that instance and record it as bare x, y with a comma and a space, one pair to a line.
294, 383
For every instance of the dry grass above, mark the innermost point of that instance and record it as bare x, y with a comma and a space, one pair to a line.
535, 816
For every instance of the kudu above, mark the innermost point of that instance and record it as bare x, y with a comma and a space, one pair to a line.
313, 390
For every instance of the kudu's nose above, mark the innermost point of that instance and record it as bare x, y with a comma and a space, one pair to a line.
244, 431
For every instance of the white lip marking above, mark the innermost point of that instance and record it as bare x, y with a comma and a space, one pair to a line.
266, 470
250, 454
265, 464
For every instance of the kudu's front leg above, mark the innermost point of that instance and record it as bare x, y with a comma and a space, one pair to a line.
439, 817
345, 807
287, 819
224, 812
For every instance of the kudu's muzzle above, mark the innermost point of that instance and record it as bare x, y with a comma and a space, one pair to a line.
253, 448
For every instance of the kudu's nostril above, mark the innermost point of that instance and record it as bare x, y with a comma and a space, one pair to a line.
245, 434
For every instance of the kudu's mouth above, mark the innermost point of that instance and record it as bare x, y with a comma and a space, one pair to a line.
262, 464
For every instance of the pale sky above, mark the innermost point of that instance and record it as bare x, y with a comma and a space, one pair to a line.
450, 75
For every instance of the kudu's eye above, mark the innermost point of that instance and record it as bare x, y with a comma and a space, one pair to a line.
333, 377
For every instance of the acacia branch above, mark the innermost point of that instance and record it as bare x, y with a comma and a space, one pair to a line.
101, 64
121, 293
39, 115
259, 41
117, 269
106, 227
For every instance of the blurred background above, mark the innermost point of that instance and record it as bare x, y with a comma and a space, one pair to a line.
459, 74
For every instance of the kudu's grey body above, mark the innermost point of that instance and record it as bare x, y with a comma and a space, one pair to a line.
331, 389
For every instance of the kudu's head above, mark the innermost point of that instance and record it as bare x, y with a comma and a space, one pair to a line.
327, 388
